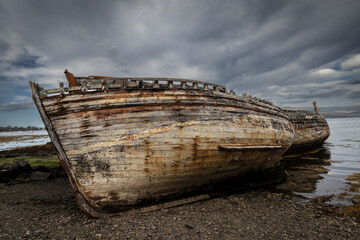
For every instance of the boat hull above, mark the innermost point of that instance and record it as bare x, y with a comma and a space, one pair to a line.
311, 131
125, 148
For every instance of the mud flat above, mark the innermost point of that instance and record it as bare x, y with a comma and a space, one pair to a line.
47, 210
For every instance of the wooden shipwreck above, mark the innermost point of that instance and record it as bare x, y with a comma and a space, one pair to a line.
127, 142
311, 130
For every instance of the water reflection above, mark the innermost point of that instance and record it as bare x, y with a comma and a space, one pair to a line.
331, 172
305, 170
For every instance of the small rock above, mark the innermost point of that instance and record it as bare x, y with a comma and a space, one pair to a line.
41, 168
39, 175
188, 226
57, 172
11, 170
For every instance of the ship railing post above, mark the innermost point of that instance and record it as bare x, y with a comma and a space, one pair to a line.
315, 108
184, 85
61, 89
42, 92
84, 87
124, 83
170, 84
138, 83
104, 85
156, 84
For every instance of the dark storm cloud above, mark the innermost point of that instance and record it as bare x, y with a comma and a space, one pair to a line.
26, 61
333, 93
355, 81
14, 106
354, 95
287, 51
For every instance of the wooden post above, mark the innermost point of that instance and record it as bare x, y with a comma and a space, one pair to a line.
315, 108
104, 85
70, 77
156, 84
184, 85
170, 84
62, 90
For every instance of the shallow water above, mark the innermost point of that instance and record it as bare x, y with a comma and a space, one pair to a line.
10, 140
330, 170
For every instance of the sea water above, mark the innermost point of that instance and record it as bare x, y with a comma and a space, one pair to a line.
328, 171
10, 140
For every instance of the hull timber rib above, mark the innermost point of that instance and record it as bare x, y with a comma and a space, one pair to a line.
128, 142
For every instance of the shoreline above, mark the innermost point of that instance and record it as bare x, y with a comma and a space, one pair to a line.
34, 150
257, 213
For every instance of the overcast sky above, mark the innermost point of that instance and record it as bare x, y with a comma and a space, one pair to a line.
289, 52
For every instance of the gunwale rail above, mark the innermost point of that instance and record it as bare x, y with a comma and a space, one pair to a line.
88, 84
138, 82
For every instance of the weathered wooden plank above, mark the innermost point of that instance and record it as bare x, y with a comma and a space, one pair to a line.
126, 107
188, 137
189, 93
234, 147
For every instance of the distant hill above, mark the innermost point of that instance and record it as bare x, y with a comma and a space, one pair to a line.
336, 112
14, 129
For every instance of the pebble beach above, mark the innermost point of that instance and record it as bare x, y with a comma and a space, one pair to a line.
47, 210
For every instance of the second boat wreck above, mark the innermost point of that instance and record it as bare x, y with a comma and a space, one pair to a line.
311, 130
131, 141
